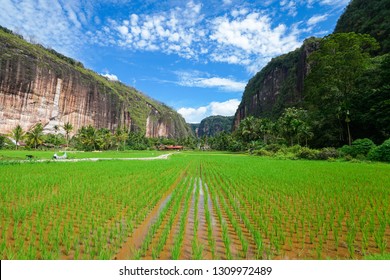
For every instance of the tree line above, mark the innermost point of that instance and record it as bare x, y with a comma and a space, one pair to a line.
87, 138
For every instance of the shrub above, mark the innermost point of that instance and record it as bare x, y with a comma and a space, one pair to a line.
381, 153
361, 147
264, 153
345, 150
326, 153
307, 153
2, 141
274, 147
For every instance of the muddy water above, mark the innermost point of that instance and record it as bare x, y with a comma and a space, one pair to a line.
217, 230
135, 241
186, 250
202, 227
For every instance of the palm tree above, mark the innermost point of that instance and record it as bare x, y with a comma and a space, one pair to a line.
35, 135
249, 129
68, 127
120, 137
17, 134
87, 137
56, 128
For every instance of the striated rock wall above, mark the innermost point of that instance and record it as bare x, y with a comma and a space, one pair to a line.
278, 85
31, 93
39, 85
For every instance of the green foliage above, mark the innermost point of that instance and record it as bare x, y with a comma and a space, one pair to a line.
34, 136
307, 153
2, 141
17, 134
331, 87
293, 125
381, 153
328, 153
372, 105
358, 147
263, 153
367, 17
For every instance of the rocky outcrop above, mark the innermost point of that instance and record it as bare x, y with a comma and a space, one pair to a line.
39, 85
278, 85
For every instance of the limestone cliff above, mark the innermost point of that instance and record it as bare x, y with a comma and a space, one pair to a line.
277, 86
40, 85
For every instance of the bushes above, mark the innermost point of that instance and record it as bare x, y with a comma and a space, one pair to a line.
328, 153
307, 153
381, 153
359, 150
359, 147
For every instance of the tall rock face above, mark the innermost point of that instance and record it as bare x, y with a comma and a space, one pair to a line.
40, 85
278, 85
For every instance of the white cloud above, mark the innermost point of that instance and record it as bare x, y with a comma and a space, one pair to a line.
196, 115
289, 6
250, 40
335, 2
193, 115
316, 19
111, 77
244, 37
227, 108
57, 24
203, 80
173, 31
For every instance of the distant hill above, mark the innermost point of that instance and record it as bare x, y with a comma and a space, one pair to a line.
212, 125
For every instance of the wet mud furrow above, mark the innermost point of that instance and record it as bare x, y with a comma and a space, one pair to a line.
166, 253
219, 250
134, 242
186, 250
203, 228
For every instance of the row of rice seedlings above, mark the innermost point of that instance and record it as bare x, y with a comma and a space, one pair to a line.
233, 221
178, 242
166, 231
154, 228
197, 249
225, 235
210, 237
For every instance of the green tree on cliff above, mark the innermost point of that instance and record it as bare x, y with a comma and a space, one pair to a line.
331, 86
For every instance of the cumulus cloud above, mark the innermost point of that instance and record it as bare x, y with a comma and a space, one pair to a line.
170, 32
243, 37
249, 39
203, 80
195, 115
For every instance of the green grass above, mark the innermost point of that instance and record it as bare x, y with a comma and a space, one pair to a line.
6, 155
378, 257
76, 207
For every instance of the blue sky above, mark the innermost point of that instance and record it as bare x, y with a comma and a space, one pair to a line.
195, 56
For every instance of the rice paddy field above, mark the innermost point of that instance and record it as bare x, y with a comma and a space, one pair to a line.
193, 206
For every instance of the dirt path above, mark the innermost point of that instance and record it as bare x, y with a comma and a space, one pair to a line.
164, 156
